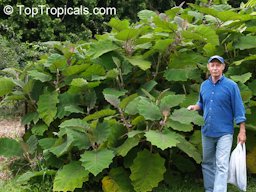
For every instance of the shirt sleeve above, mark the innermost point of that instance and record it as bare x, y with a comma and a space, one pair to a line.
200, 100
238, 106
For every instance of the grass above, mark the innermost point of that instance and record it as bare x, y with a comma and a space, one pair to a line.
179, 186
192, 186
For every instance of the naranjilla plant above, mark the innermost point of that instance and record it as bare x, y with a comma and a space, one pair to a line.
112, 112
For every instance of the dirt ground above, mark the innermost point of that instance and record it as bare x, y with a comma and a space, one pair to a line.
9, 128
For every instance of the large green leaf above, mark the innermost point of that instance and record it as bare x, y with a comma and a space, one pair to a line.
43, 77
224, 15
47, 142
101, 47
6, 86
96, 161
29, 175
170, 101
146, 14
29, 117
186, 117
139, 62
79, 140
112, 95
179, 126
176, 74
162, 140
246, 93
242, 78
10, 147
186, 59
149, 110
101, 132
39, 129
189, 149
74, 123
252, 86
56, 62
70, 177
118, 24
62, 146
47, 106
75, 69
147, 171
127, 146
117, 180
94, 70
132, 106
246, 42
67, 101
127, 100
127, 34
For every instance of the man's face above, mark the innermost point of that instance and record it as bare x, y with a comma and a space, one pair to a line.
216, 68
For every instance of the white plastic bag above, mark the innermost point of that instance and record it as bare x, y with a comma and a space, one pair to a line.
237, 167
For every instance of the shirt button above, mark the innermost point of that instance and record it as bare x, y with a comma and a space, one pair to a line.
212, 92
210, 108
211, 100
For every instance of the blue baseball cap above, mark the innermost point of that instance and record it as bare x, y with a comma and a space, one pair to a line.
219, 58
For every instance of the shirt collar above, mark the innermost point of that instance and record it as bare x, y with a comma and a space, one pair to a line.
220, 79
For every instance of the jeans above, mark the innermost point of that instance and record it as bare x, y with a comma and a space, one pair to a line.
216, 153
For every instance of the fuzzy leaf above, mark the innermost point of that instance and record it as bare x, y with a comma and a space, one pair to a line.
146, 14
39, 129
149, 110
93, 70
176, 75
62, 147
162, 140
246, 42
47, 106
139, 62
6, 86
10, 147
132, 106
56, 62
170, 101
29, 175
242, 78
77, 124
101, 47
127, 100
117, 180
96, 161
127, 34
127, 146
119, 24
74, 69
179, 126
112, 96
147, 171
43, 77
70, 177
186, 117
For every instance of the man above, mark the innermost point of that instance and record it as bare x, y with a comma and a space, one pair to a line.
221, 103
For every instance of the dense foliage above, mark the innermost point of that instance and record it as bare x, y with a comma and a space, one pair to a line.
107, 112
78, 27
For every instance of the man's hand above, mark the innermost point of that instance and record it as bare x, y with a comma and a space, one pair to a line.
241, 137
193, 108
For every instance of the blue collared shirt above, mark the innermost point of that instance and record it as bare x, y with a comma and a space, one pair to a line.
222, 105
